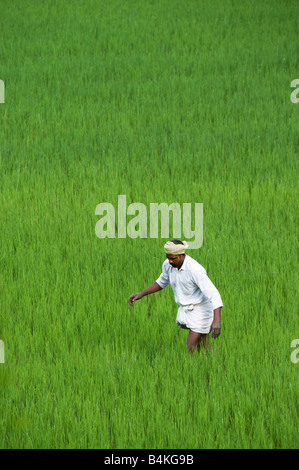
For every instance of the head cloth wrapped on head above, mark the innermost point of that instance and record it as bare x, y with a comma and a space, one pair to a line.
175, 248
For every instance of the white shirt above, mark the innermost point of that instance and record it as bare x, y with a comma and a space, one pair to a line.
190, 283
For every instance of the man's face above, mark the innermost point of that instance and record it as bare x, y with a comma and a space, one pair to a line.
175, 260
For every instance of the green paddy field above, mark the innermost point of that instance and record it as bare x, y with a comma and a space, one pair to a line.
161, 101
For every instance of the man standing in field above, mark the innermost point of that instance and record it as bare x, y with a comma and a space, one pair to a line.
199, 301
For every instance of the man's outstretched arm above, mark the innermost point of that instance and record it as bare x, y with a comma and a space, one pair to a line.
149, 290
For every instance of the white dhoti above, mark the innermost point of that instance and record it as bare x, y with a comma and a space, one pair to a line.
197, 317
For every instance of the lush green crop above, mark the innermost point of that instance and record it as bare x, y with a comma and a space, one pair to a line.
161, 101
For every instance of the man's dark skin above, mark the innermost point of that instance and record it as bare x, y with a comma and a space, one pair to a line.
194, 339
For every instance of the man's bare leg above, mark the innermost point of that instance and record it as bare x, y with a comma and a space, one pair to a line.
195, 339
206, 342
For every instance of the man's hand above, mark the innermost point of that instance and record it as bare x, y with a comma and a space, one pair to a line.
134, 297
216, 326
215, 329
149, 290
